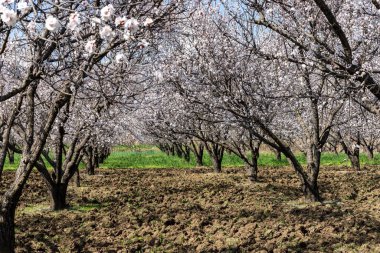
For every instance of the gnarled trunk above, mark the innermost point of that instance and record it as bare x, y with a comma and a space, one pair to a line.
216, 153
58, 193
313, 157
355, 161
309, 187
7, 228
77, 178
253, 166
89, 161
217, 164
198, 151
252, 172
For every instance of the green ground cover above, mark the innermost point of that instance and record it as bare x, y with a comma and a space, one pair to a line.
147, 156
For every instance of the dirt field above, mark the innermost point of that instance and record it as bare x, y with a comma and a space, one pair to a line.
198, 211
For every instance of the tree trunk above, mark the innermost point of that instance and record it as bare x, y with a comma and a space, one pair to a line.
217, 164
253, 166
8, 206
89, 160
369, 151
58, 195
11, 156
355, 161
178, 151
216, 153
77, 178
198, 151
96, 158
313, 157
90, 168
309, 189
199, 158
252, 172
7, 230
278, 155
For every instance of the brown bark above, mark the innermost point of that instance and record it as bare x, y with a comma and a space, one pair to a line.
58, 193
198, 150
216, 152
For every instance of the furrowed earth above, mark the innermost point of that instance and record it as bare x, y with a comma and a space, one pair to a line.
195, 210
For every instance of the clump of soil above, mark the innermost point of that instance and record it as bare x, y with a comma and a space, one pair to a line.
177, 210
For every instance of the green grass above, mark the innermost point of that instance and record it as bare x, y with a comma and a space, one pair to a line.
146, 156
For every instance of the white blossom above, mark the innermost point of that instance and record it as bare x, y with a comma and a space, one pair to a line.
148, 22
132, 25
106, 32
52, 24
120, 57
31, 27
9, 17
144, 43
127, 36
74, 21
120, 21
90, 46
22, 5
107, 12
95, 21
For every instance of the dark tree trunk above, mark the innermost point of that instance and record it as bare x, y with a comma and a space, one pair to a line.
9, 203
58, 195
355, 161
313, 157
77, 178
96, 157
199, 158
253, 166
7, 230
309, 189
89, 160
369, 150
198, 151
217, 164
11, 156
252, 172
278, 155
178, 151
216, 153
90, 168
187, 154
172, 150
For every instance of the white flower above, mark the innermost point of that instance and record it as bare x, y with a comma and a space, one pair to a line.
9, 17
127, 36
52, 24
95, 21
106, 32
74, 21
107, 12
132, 25
90, 46
148, 21
144, 43
120, 57
22, 5
120, 21
31, 27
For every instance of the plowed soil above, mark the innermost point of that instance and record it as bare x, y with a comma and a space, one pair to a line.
169, 210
